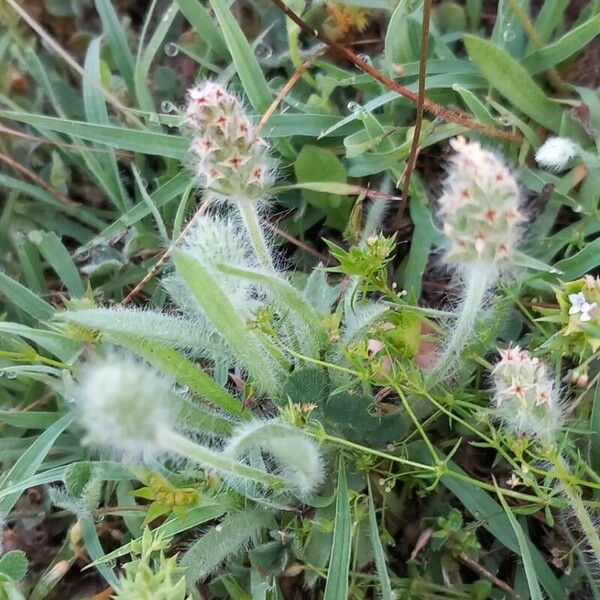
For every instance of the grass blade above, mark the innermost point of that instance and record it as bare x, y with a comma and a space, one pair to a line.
339, 562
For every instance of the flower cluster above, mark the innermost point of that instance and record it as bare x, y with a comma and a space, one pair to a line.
229, 157
579, 313
479, 207
525, 398
347, 17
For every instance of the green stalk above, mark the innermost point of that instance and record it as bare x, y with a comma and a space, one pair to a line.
478, 280
249, 214
576, 503
172, 441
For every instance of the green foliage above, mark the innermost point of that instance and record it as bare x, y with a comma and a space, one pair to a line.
426, 494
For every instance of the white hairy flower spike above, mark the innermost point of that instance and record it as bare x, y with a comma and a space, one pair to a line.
229, 156
480, 212
480, 206
127, 407
556, 153
122, 403
525, 398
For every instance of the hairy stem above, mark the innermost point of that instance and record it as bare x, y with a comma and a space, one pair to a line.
479, 279
172, 441
249, 214
576, 503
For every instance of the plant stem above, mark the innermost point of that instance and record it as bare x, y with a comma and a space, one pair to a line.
576, 503
172, 441
478, 280
249, 214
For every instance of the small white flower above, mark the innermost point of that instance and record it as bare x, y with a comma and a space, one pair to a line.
555, 153
579, 305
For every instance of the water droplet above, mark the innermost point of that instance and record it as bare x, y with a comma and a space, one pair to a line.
555, 271
366, 58
509, 34
112, 564
10, 374
71, 400
354, 107
577, 208
171, 49
505, 120
166, 106
263, 50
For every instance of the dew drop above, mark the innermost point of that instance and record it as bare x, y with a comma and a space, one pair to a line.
354, 107
509, 34
166, 106
366, 58
263, 50
505, 120
171, 49
10, 374
577, 208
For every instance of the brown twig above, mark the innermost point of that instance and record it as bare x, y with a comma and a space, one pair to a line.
38, 180
163, 259
475, 566
441, 112
415, 146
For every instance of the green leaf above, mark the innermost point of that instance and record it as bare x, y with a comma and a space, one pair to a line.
14, 564
59, 258
141, 73
564, 48
30, 461
581, 263
96, 112
511, 79
530, 572
185, 373
24, 299
382, 573
201, 21
288, 298
121, 138
246, 65
117, 40
216, 305
315, 164
339, 562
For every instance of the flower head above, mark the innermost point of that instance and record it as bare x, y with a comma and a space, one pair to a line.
524, 396
479, 207
228, 156
556, 153
580, 306
123, 404
348, 17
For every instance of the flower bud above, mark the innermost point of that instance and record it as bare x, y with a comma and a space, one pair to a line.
228, 156
123, 403
525, 398
479, 207
556, 153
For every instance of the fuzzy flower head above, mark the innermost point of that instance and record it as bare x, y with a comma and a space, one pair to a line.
123, 404
556, 153
479, 207
347, 17
228, 156
524, 396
